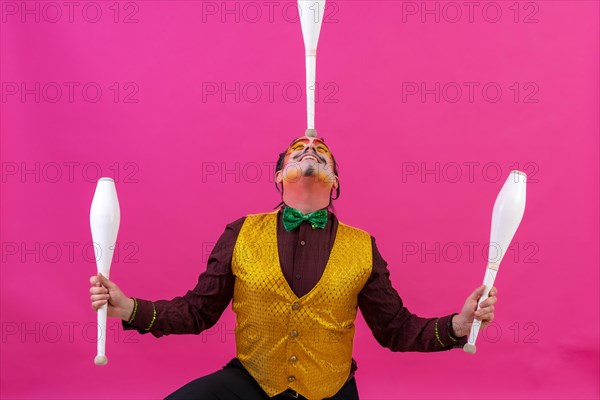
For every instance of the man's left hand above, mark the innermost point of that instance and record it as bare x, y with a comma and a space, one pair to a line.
461, 323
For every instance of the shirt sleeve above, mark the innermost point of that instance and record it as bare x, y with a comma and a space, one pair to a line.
393, 325
201, 307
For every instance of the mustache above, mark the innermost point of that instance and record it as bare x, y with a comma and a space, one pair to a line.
313, 153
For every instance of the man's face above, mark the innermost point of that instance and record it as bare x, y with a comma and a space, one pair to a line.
308, 157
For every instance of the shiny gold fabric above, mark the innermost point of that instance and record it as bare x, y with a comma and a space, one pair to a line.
288, 342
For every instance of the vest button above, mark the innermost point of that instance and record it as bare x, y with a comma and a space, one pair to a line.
295, 306
293, 359
291, 378
294, 333
303, 243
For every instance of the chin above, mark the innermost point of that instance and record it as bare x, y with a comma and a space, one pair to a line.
307, 169
310, 170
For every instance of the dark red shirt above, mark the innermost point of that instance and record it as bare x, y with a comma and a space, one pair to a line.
303, 253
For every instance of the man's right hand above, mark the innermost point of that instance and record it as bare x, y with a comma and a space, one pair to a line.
104, 291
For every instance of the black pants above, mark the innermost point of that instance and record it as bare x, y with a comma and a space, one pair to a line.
233, 382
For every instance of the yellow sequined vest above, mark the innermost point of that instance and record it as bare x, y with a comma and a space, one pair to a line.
288, 342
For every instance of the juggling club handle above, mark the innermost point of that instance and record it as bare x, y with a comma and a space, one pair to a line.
311, 76
101, 355
488, 281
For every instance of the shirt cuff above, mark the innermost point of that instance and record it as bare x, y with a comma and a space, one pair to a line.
446, 333
144, 318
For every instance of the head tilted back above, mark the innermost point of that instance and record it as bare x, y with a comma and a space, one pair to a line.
280, 164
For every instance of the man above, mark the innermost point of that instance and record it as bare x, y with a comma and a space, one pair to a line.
297, 277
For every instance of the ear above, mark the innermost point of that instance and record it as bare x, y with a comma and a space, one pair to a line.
336, 183
279, 176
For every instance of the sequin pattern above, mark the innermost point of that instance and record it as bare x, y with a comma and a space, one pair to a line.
288, 342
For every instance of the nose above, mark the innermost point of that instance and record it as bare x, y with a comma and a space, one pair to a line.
311, 146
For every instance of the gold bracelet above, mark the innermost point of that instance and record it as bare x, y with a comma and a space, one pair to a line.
451, 328
452, 337
135, 305
437, 333
153, 317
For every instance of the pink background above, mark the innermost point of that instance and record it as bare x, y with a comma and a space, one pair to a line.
170, 152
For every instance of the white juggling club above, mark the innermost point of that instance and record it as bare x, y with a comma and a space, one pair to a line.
506, 217
105, 216
311, 19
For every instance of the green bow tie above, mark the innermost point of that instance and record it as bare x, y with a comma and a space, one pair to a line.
292, 218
